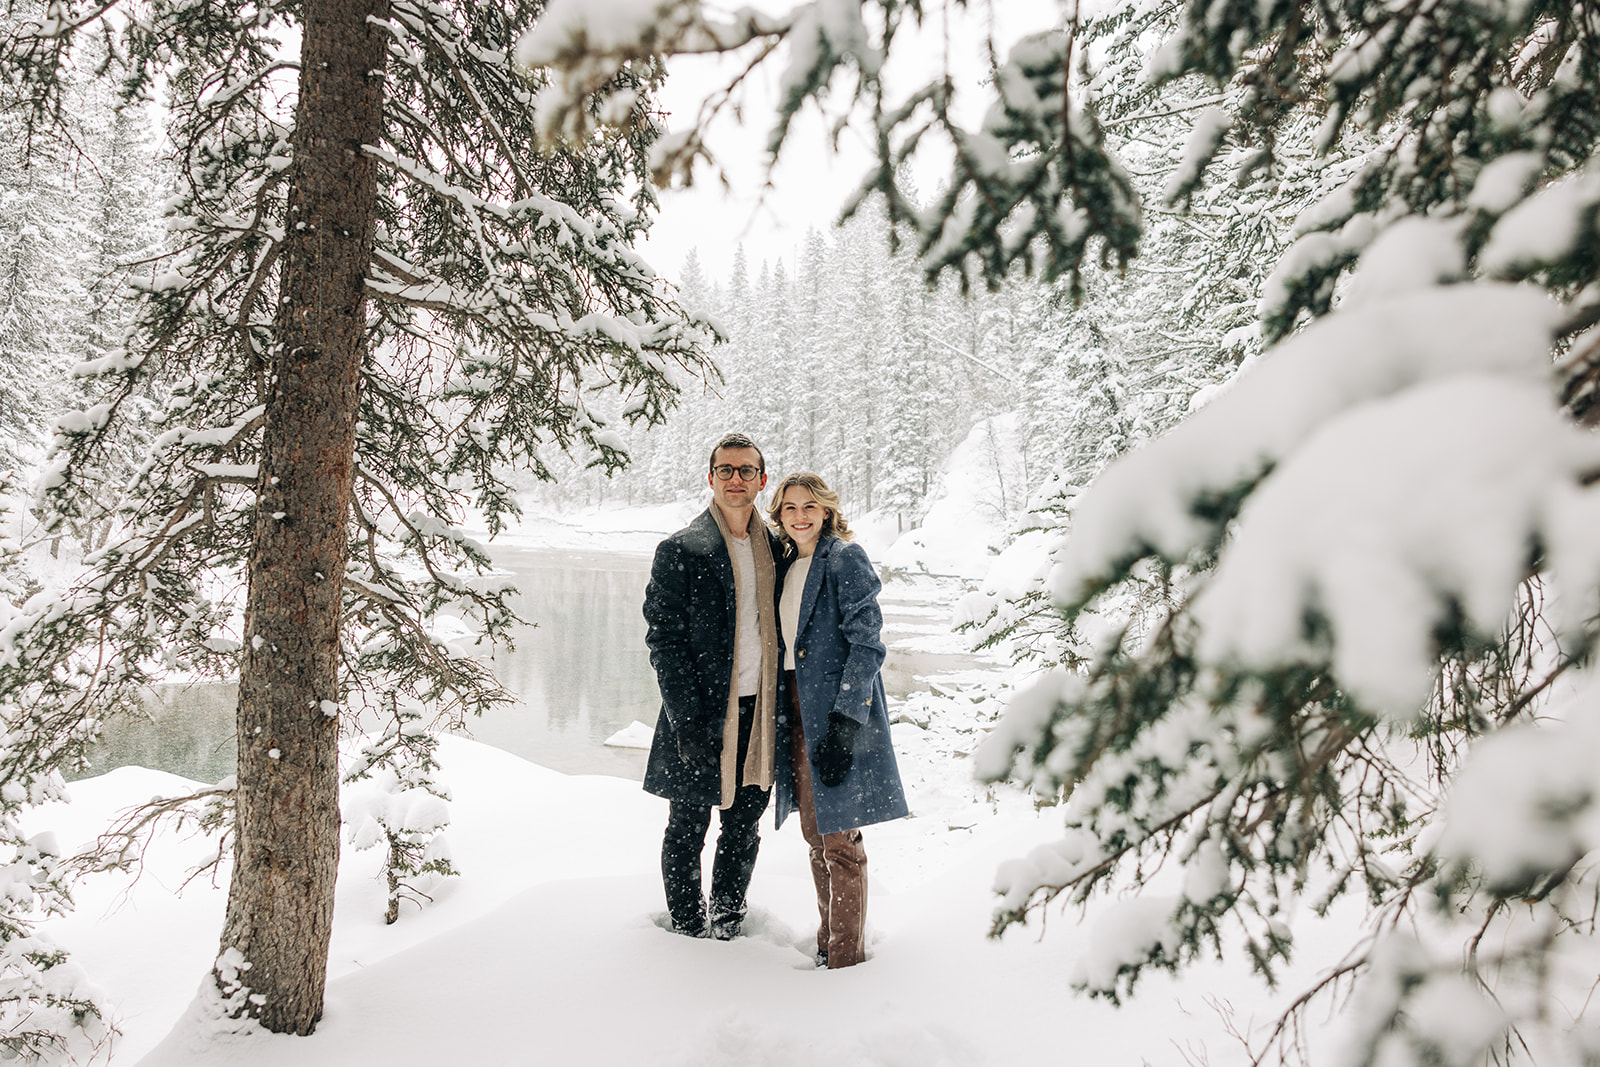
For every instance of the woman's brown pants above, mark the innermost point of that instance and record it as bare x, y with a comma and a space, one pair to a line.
838, 863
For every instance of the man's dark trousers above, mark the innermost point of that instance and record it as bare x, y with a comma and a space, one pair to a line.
738, 840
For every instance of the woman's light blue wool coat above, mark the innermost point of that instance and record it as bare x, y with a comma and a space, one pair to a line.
838, 657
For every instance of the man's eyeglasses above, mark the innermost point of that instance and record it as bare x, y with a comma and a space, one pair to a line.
724, 471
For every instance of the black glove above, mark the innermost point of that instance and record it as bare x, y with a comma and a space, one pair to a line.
699, 748
837, 749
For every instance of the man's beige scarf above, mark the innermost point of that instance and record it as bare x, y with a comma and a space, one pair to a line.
760, 755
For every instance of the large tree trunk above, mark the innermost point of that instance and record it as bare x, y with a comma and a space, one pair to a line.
286, 855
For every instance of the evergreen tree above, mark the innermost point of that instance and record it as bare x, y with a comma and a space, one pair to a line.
918, 411
1247, 724
381, 299
41, 292
406, 808
60, 210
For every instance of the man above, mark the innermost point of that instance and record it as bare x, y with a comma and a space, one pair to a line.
711, 611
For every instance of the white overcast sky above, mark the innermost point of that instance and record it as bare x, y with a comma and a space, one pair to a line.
811, 182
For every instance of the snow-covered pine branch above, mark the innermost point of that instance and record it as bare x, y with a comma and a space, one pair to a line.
559, 302
1032, 184
1380, 541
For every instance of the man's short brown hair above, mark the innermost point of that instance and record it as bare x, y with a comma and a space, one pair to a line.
737, 440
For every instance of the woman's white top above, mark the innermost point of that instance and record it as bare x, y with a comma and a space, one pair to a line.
794, 587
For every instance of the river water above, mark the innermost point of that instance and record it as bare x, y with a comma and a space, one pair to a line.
581, 673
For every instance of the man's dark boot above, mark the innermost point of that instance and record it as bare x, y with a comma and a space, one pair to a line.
701, 929
726, 919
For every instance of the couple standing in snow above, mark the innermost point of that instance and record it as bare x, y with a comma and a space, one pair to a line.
766, 647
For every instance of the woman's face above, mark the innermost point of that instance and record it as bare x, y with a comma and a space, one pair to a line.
802, 517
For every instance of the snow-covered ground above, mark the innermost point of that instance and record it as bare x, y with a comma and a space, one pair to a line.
549, 948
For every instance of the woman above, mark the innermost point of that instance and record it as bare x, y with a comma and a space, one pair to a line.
835, 763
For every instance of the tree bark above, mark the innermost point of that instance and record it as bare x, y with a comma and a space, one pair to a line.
274, 951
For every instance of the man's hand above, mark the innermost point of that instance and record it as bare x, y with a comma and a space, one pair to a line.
698, 748
837, 749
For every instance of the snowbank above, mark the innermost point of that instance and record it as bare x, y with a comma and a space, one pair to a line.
982, 492
549, 948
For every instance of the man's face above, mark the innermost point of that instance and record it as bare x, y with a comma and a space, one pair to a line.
736, 491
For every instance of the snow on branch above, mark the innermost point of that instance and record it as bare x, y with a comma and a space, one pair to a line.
1546, 230
1174, 495
1398, 521
590, 43
1032, 185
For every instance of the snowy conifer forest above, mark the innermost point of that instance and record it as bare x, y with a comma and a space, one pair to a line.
838, 358
1269, 332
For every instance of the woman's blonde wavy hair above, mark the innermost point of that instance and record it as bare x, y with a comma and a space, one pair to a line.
834, 524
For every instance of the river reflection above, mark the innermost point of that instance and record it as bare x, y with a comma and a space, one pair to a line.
189, 731
581, 671
580, 674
